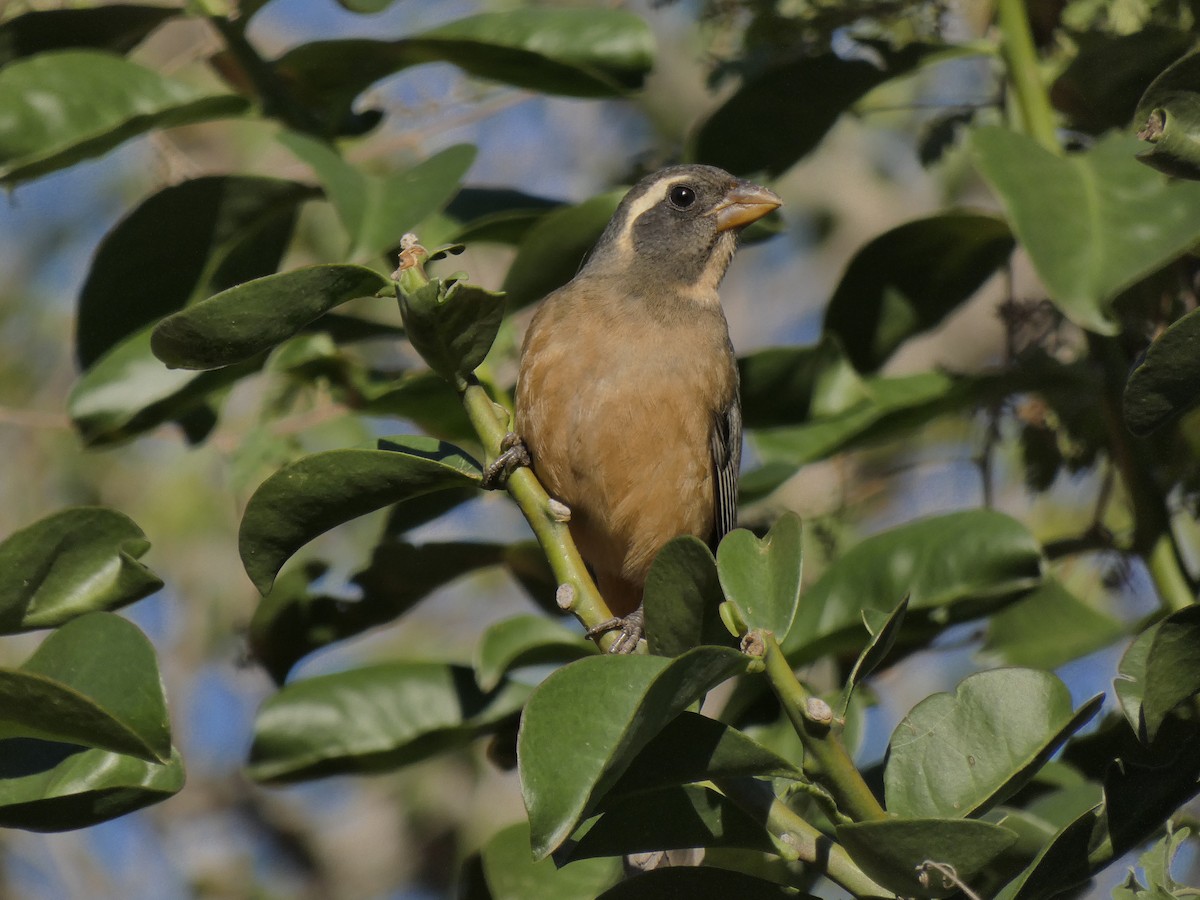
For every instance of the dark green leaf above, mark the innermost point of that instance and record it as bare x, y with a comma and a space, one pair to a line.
681, 599
1130, 683
512, 874
958, 754
779, 116
1166, 382
526, 641
1172, 667
374, 718
499, 215
674, 818
889, 292
452, 324
761, 578
883, 638
47, 786
118, 28
894, 852
58, 108
242, 322
1169, 117
953, 567
1048, 628
699, 883
1093, 223
366, 6
424, 398
586, 722
187, 241
76, 561
93, 682
316, 493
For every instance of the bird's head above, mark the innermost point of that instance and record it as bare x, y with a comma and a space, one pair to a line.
679, 227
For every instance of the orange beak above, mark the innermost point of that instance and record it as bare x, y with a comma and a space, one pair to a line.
744, 204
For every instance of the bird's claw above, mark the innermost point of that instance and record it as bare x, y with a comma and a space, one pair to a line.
513, 455
631, 627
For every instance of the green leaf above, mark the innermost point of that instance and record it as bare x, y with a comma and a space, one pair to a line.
423, 397
187, 241
93, 682
889, 292
883, 638
674, 818
526, 641
588, 720
378, 209
129, 391
1130, 683
118, 28
512, 873
682, 597
497, 215
73, 562
693, 748
953, 567
699, 883
61, 107
1047, 629
1093, 223
956, 755
318, 492
452, 324
47, 786
373, 719
1165, 383
1062, 863
894, 852
1172, 667
1169, 116
777, 117
244, 321
761, 578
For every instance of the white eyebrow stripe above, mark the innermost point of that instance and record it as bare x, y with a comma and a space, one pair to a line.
644, 203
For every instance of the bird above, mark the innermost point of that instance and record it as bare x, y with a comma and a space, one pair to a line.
627, 399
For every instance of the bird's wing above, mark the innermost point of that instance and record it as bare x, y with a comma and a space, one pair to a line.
726, 446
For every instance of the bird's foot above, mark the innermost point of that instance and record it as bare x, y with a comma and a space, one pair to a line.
631, 627
513, 455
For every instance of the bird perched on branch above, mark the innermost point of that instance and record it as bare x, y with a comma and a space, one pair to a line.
627, 397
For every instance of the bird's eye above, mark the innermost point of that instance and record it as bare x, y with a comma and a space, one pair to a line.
682, 196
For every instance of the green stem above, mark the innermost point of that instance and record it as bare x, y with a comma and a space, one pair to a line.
825, 757
796, 838
1020, 58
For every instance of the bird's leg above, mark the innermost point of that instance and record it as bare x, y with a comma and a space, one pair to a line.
513, 455
632, 628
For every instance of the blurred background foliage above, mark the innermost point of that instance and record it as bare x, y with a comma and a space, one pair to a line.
871, 153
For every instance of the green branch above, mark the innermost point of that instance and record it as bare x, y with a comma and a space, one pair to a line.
1021, 60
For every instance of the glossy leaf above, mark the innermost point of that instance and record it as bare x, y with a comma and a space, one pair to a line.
675, 818
92, 682
585, 723
1093, 223
1130, 683
952, 567
318, 492
526, 641
883, 638
61, 107
959, 754
700, 883
377, 210
511, 872
1165, 383
777, 117
1172, 667
889, 292
761, 578
1169, 117
244, 321
372, 719
1047, 629
682, 597
452, 324
185, 242
47, 786
118, 28
893, 851
73, 562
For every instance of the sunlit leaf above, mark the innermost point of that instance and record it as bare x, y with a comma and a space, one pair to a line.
682, 597
452, 324
511, 872
761, 578
526, 641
